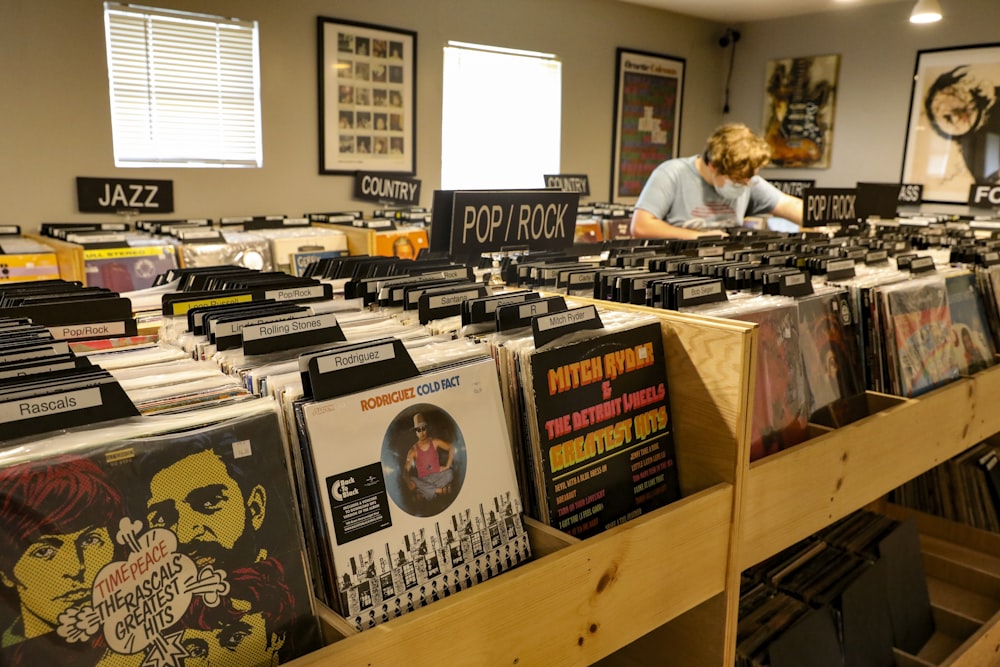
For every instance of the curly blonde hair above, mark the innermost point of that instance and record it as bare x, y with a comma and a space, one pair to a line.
736, 152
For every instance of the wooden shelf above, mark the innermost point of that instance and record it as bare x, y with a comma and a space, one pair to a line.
670, 571
962, 565
793, 494
665, 587
570, 607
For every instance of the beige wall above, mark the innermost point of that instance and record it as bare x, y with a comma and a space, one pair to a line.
878, 48
55, 124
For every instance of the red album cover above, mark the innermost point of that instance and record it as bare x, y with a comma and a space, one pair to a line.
780, 405
831, 358
922, 336
170, 550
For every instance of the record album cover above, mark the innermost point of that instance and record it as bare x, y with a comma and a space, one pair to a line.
780, 407
970, 337
605, 448
170, 550
922, 335
831, 358
416, 490
128, 268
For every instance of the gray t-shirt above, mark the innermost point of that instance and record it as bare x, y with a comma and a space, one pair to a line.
676, 193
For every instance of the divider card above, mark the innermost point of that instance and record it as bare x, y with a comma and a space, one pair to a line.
604, 433
418, 493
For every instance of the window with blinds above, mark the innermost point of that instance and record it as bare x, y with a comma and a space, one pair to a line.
501, 117
185, 88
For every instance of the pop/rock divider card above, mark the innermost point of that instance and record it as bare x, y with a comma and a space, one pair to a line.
600, 414
416, 489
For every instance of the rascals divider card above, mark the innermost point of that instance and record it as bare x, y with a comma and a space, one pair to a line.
417, 490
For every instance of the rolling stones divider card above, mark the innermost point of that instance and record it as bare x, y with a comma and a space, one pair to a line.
416, 490
601, 421
170, 550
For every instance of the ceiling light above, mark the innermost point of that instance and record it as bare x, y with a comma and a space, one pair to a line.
926, 11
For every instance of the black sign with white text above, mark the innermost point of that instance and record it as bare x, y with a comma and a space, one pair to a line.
484, 221
110, 195
823, 206
911, 193
984, 196
790, 187
380, 187
578, 183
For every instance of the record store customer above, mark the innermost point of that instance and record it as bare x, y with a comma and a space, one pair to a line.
688, 197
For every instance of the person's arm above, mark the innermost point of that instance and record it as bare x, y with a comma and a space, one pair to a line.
408, 468
645, 225
448, 448
789, 208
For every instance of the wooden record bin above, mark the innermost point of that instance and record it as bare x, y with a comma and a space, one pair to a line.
576, 602
795, 493
664, 589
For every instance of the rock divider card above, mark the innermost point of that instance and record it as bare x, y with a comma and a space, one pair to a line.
602, 428
132, 546
416, 489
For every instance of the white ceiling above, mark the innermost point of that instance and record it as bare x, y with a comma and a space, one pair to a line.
736, 11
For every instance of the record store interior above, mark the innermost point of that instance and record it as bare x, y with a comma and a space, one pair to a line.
533, 333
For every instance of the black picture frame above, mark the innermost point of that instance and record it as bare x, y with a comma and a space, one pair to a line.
367, 97
649, 98
949, 156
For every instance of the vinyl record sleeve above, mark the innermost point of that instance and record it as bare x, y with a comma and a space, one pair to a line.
828, 338
922, 334
400, 540
602, 428
780, 407
157, 549
127, 269
971, 337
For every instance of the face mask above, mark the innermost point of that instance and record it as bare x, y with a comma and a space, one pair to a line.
730, 190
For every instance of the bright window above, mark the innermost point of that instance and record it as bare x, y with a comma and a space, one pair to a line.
185, 88
501, 118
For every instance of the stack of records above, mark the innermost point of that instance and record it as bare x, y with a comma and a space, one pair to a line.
411, 484
781, 405
590, 415
918, 332
164, 540
828, 337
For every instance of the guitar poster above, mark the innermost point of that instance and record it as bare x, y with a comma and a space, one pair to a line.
798, 110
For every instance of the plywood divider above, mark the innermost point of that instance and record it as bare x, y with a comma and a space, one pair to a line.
711, 367
796, 492
69, 257
574, 606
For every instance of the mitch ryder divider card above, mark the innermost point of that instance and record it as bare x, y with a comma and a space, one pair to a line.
604, 436
417, 490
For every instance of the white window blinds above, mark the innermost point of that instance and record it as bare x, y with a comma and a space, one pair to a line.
185, 88
501, 117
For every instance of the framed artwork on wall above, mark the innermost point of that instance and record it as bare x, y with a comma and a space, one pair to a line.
953, 133
649, 95
367, 98
798, 110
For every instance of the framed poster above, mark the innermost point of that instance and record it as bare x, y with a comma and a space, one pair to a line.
649, 94
798, 110
953, 133
367, 98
